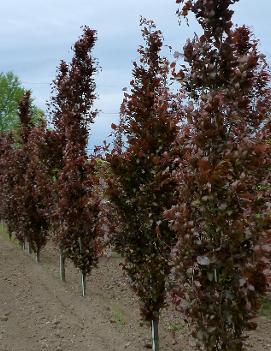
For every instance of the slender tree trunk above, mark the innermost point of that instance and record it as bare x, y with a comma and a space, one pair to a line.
21, 243
83, 284
154, 332
62, 271
38, 256
29, 248
83, 275
2, 226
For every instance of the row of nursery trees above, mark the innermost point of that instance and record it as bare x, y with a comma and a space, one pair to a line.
183, 195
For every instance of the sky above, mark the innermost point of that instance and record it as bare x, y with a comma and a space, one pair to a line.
36, 34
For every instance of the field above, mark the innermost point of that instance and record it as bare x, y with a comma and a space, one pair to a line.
39, 312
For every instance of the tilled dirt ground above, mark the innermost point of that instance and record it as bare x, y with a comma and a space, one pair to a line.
38, 312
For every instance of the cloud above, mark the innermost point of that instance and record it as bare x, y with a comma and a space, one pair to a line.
37, 34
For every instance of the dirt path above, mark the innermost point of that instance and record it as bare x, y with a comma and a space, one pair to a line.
38, 312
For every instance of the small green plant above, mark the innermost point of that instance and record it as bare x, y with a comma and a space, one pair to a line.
3, 230
265, 309
175, 327
119, 317
5, 234
264, 186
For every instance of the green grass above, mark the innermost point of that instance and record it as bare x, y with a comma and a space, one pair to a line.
4, 234
3, 230
118, 316
265, 309
175, 327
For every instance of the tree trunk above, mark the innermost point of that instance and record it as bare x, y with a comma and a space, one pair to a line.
155, 335
83, 284
38, 256
62, 271
83, 275
29, 248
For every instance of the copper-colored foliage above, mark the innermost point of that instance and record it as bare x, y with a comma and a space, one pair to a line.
24, 180
77, 211
141, 188
222, 218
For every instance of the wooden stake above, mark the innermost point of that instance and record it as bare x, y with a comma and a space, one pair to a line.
62, 271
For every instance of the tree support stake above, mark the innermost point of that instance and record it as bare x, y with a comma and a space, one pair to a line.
155, 336
62, 271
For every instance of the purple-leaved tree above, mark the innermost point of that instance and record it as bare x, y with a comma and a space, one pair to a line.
141, 188
222, 217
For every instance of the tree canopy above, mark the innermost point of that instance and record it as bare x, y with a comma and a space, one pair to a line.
11, 93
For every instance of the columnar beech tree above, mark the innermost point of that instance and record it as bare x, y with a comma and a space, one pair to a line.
36, 192
141, 188
14, 164
24, 180
32, 191
223, 213
8, 179
77, 212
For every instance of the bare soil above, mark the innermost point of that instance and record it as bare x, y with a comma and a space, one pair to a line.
38, 312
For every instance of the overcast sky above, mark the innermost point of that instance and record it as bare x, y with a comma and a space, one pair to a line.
37, 34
